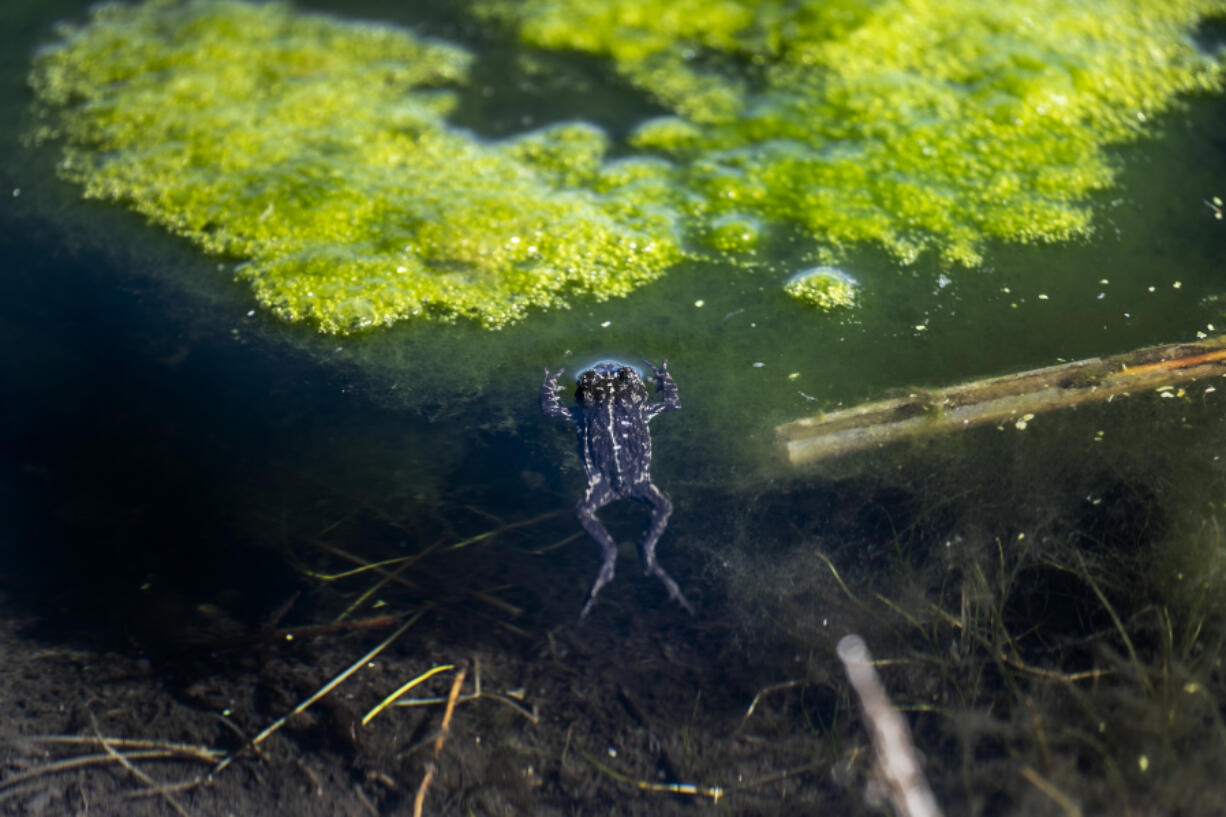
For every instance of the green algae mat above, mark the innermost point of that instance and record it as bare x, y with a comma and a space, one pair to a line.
318, 152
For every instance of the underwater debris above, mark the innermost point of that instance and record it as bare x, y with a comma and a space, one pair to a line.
1014, 398
897, 762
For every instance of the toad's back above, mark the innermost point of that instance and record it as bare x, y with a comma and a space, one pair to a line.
615, 444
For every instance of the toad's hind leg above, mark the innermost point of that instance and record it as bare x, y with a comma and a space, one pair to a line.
595, 498
661, 509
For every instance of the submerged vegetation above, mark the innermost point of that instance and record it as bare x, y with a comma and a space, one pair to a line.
1046, 608
318, 151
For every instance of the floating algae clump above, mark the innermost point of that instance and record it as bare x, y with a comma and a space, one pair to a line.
916, 124
316, 151
827, 288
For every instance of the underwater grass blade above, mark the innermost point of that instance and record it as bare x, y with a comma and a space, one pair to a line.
321, 692
1142, 674
1048, 788
390, 699
715, 793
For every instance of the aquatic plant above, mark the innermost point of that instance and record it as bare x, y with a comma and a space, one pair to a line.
316, 150
823, 287
915, 125
1051, 604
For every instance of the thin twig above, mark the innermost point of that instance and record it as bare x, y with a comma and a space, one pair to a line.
140, 775
472, 696
420, 799
776, 776
384, 581
477, 694
80, 761
472, 540
500, 604
199, 752
321, 692
714, 792
182, 785
1013, 398
896, 759
1044, 785
390, 699
363, 566
560, 543
394, 576
1119, 625
758, 698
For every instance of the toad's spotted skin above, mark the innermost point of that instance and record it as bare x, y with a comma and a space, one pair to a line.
611, 414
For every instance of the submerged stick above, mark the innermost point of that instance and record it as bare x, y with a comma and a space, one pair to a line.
443, 730
716, 793
1012, 398
897, 762
140, 775
321, 692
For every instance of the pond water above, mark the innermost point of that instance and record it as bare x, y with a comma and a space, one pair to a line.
1048, 600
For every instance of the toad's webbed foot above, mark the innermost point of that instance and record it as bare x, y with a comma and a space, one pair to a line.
661, 510
674, 592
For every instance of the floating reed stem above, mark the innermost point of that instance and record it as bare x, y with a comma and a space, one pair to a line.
1013, 398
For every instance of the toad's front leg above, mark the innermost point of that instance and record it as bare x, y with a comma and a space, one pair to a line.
551, 405
670, 400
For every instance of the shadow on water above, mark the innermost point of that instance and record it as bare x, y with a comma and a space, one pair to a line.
131, 441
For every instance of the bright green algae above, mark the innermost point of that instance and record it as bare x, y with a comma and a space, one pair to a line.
316, 150
915, 124
827, 288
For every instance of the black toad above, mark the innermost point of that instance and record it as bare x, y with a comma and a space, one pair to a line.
611, 414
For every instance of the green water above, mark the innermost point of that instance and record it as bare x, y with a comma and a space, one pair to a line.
745, 355
444, 416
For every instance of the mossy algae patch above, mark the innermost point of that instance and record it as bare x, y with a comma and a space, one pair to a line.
937, 125
827, 288
316, 151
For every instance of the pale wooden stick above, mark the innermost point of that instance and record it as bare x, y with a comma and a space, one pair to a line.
897, 762
140, 775
420, 800
1013, 398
